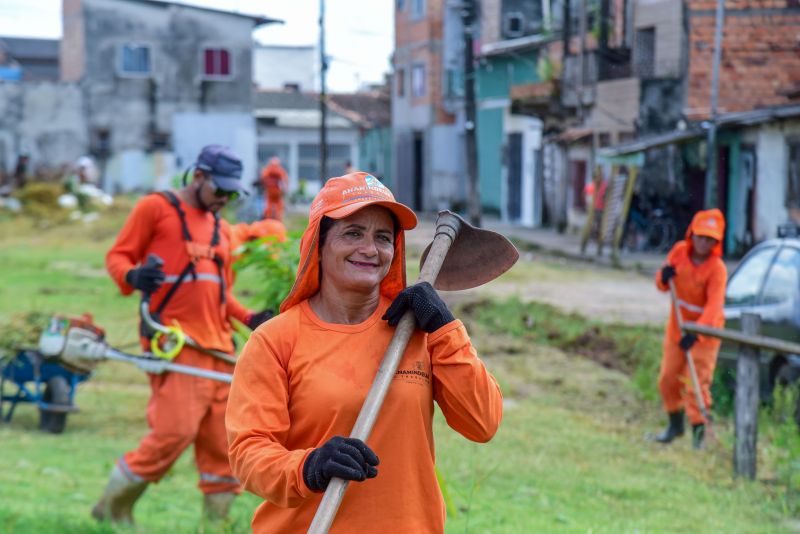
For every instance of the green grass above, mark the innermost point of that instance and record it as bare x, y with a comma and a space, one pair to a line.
569, 456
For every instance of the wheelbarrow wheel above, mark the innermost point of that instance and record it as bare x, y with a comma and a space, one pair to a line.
56, 391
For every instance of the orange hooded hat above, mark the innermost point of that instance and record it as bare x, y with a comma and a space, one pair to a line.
339, 198
709, 223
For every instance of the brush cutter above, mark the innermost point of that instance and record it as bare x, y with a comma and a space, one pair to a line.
690, 363
460, 257
80, 345
175, 338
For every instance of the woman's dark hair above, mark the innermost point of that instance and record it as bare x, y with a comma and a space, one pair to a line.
327, 223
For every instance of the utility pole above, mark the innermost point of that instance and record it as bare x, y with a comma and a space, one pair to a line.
711, 141
323, 108
468, 10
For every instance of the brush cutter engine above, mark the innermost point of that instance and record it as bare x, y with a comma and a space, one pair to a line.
76, 342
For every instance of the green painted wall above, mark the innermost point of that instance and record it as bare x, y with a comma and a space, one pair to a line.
495, 77
490, 157
376, 154
733, 141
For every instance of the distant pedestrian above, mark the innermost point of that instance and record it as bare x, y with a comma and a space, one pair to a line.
21, 171
275, 182
595, 195
695, 266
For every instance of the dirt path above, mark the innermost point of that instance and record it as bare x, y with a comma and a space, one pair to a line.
589, 289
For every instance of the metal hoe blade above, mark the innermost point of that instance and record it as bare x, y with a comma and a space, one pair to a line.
476, 257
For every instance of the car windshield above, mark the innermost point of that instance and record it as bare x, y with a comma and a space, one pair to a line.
746, 281
784, 277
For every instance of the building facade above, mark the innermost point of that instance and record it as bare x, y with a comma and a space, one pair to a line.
288, 128
427, 122
159, 80
285, 67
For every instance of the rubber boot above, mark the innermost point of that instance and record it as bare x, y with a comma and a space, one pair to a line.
217, 505
116, 504
698, 434
674, 429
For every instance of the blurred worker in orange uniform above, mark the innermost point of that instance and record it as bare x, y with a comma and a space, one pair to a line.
303, 376
275, 182
695, 266
193, 287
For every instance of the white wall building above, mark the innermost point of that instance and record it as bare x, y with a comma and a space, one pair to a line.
278, 67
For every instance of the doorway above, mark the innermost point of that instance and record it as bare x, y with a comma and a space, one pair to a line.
514, 179
418, 169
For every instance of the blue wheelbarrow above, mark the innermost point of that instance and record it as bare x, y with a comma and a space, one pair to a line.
42, 381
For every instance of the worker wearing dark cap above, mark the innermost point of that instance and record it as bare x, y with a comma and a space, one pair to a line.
192, 288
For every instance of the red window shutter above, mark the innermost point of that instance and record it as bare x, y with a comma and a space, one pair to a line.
224, 63
208, 62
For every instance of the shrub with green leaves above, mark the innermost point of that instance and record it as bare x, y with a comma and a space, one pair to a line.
275, 262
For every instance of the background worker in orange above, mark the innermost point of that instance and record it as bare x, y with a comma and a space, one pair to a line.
303, 376
275, 182
183, 229
696, 268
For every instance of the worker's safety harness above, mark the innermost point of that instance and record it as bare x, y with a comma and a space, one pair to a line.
196, 251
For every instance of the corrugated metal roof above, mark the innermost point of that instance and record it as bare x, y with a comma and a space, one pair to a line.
300, 118
728, 120
285, 100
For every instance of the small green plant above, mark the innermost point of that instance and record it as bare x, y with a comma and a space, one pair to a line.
275, 263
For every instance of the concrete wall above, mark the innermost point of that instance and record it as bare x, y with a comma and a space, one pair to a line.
44, 120
666, 17
617, 106
276, 66
531, 191
446, 188
772, 171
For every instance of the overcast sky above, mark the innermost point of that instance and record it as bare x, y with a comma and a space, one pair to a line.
359, 33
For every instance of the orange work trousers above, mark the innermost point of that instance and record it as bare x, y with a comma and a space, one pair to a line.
185, 410
675, 381
273, 207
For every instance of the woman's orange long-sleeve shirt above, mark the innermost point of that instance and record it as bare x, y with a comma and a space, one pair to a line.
700, 290
301, 381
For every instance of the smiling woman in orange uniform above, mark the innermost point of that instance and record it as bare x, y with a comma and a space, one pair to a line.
303, 377
696, 268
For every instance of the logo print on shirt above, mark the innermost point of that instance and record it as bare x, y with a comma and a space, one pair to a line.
418, 374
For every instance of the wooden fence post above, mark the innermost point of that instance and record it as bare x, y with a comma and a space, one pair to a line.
747, 399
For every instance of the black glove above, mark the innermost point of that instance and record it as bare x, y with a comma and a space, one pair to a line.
687, 341
429, 309
257, 318
346, 458
145, 278
667, 273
